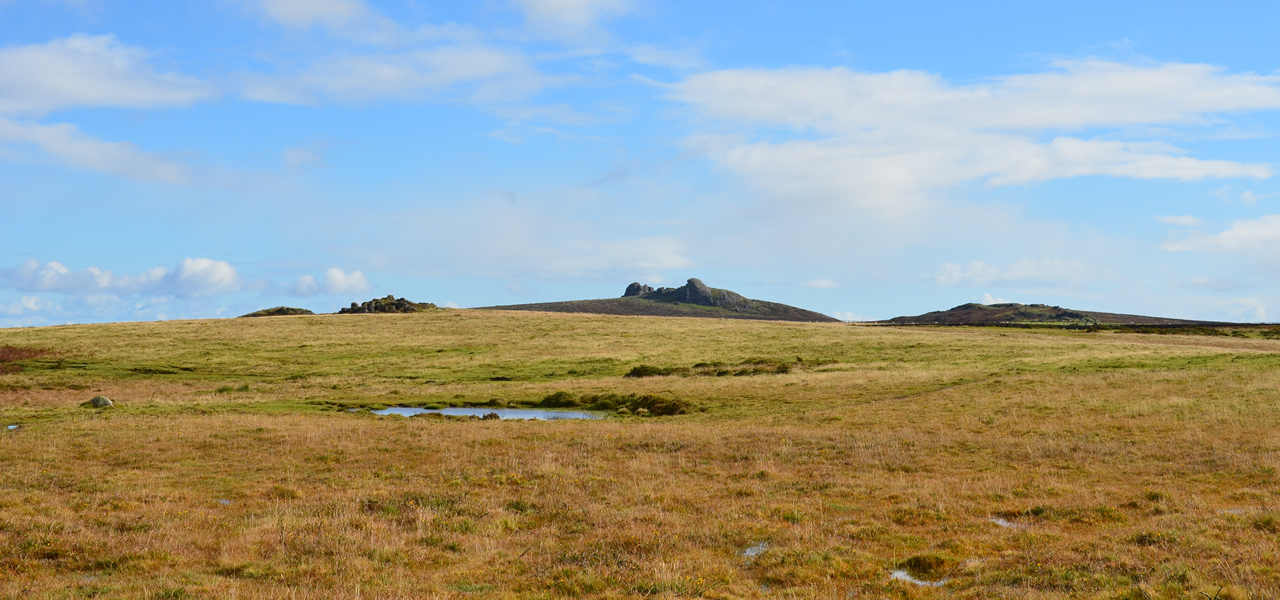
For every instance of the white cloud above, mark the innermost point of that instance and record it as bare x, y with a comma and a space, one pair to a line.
848, 316
685, 58
337, 281
1049, 271
302, 156
569, 17
1184, 220
1247, 308
306, 13
1255, 237
65, 143
482, 73
820, 283
305, 286
203, 277
355, 21
884, 142
1247, 197
25, 305
1213, 283
80, 71
88, 71
989, 299
193, 277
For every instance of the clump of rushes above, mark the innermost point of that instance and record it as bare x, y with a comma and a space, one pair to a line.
651, 404
652, 371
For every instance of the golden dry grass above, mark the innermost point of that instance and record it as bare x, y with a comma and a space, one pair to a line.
1131, 466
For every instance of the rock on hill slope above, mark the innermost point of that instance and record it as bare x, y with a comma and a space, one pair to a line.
694, 299
390, 304
996, 314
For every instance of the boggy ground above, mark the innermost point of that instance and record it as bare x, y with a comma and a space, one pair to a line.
1128, 466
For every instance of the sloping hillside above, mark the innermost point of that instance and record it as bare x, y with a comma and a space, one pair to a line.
694, 299
995, 314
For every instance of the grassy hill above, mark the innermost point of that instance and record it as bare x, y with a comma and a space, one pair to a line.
1012, 313
1010, 462
693, 299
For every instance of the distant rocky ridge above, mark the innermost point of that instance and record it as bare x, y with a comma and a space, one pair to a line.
1013, 313
279, 311
694, 299
692, 292
390, 304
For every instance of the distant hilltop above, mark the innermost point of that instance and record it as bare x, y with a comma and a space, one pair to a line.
390, 304
693, 299
1012, 313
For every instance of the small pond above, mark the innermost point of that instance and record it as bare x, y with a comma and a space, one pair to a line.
503, 413
905, 576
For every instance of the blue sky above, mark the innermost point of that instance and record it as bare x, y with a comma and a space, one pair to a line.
164, 160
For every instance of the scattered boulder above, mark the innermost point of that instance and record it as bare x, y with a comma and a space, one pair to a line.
490, 417
279, 311
99, 402
390, 304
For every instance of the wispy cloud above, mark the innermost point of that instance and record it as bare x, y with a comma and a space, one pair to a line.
884, 142
820, 283
570, 17
1025, 272
1214, 283
193, 277
88, 71
334, 282
1259, 238
473, 72
83, 71
67, 145
1184, 220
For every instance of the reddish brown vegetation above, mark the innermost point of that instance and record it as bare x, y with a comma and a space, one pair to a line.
12, 354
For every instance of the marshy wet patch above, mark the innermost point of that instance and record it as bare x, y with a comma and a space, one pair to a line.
902, 575
518, 414
1007, 524
927, 570
756, 550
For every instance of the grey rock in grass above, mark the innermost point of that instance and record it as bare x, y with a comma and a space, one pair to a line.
101, 402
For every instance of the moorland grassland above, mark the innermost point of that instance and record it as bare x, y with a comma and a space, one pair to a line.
1011, 463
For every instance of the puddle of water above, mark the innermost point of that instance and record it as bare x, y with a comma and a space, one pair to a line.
905, 576
1006, 524
12, 427
756, 550
1231, 511
224, 502
503, 413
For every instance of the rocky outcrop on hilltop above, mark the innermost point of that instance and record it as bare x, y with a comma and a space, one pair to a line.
279, 311
693, 299
390, 304
693, 292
